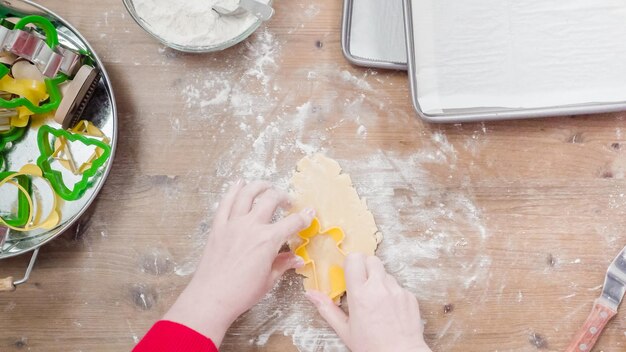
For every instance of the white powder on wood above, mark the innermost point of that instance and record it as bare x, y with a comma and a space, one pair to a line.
193, 22
435, 235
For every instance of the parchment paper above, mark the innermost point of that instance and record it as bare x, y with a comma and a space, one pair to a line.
519, 54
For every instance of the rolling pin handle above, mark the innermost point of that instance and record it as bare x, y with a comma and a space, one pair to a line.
8, 285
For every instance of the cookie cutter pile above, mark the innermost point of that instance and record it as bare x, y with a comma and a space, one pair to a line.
43, 81
336, 276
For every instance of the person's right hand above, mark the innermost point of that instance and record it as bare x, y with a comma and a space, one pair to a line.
383, 315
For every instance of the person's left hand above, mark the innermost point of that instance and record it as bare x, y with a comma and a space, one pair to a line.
241, 262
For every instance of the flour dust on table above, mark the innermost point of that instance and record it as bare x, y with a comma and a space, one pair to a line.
434, 242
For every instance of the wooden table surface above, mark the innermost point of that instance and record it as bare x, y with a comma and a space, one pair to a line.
504, 230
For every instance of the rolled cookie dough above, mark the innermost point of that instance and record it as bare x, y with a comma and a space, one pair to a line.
319, 183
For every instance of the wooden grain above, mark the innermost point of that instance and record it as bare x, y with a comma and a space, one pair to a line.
512, 225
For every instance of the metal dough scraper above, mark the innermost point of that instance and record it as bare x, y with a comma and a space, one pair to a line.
605, 307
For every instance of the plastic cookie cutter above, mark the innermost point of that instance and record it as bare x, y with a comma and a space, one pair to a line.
87, 128
12, 135
31, 93
36, 218
6, 115
63, 153
21, 216
336, 275
56, 177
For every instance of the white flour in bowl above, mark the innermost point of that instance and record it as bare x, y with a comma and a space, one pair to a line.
193, 22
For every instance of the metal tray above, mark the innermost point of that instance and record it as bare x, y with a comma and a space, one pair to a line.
477, 114
101, 111
377, 33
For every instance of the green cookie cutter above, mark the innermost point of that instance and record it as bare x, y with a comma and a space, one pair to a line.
19, 219
52, 84
55, 177
12, 135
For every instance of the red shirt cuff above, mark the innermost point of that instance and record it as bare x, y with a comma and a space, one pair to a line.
168, 336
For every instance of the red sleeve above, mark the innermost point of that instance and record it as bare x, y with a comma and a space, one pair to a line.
167, 336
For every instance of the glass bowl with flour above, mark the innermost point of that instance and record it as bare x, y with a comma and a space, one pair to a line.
192, 25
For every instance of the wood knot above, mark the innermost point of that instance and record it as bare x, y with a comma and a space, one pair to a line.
156, 262
607, 174
21, 343
576, 138
537, 340
143, 297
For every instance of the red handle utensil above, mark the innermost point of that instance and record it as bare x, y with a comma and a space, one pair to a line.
604, 308
590, 332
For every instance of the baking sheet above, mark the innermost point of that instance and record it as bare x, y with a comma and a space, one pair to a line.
484, 55
373, 33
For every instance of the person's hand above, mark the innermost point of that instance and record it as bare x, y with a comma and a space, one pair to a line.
383, 315
241, 262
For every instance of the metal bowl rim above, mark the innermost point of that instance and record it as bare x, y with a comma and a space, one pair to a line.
130, 8
105, 174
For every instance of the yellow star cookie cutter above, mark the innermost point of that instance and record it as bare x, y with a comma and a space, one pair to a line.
336, 274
